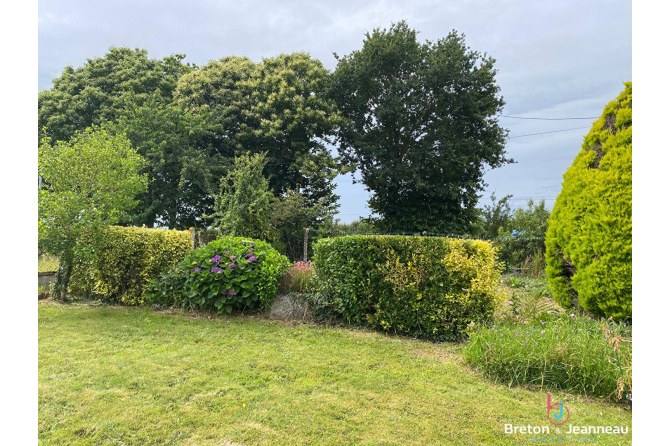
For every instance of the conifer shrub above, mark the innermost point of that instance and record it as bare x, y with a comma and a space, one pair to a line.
589, 237
419, 286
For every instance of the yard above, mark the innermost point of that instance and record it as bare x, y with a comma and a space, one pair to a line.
132, 376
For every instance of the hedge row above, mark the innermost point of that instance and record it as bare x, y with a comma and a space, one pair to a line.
421, 286
127, 261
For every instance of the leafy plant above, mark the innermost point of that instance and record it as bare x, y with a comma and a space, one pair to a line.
243, 207
232, 273
88, 184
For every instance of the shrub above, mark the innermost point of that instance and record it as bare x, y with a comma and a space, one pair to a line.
426, 287
232, 273
126, 261
567, 353
298, 278
589, 240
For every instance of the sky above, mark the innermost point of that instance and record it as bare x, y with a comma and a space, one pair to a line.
555, 60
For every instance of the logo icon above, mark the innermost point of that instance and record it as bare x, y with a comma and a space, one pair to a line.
560, 418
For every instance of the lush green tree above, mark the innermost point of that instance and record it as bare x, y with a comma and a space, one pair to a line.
88, 183
291, 214
589, 239
104, 87
494, 216
183, 175
243, 207
279, 107
522, 237
420, 126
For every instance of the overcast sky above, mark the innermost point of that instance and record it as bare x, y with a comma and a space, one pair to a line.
561, 59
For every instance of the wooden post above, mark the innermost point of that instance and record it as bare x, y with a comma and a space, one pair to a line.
192, 231
304, 246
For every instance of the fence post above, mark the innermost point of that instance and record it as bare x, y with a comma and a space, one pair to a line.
192, 231
304, 246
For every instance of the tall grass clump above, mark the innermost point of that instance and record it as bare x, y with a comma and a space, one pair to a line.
298, 278
566, 353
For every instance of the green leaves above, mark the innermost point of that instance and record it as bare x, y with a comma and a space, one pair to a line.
589, 238
250, 284
89, 183
418, 126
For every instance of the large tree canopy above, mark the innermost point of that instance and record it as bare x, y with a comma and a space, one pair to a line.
279, 106
420, 126
131, 94
105, 87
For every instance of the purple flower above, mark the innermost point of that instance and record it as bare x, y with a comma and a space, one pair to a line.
216, 269
252, 259
215, 259
542, 332
248, 255
195, 270
231, 265
230, 293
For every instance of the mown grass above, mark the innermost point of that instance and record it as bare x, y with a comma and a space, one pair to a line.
131, 376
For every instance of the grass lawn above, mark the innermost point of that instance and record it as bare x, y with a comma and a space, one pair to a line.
132, 376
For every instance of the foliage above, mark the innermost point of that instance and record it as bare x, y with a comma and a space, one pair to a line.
232, 273
420, 286
291, 213
126, 261
88, 184
243, 207
523, 237
567, 353
47, 263
528, 299
420, 126
298, 278
589, 239
359, 226
103, 88
278, 107
182, 172
495, 216
135, 376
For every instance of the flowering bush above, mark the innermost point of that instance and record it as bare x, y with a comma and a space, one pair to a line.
298, 278
232, 273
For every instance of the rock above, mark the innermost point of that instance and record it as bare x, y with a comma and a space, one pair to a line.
290, 307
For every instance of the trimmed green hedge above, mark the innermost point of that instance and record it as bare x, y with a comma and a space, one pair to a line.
127, 261
589, 240
420, 286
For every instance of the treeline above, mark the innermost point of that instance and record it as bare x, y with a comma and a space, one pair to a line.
416, 120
